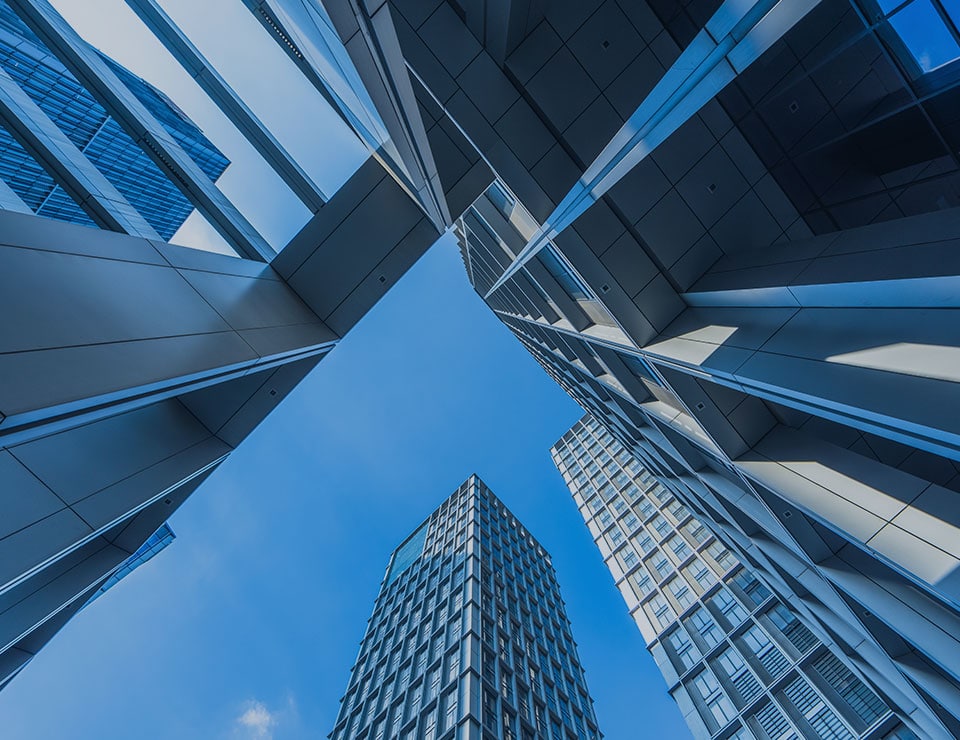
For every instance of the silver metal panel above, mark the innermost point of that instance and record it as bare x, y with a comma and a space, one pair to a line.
122, 446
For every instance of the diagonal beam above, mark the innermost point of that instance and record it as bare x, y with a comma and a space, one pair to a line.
232, 106
10, 201
95, 75
359, 68
734, 37
68, 166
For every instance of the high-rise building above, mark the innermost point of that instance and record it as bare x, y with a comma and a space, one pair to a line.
78, 115
729, 229
468, 637
131, 368
736, 659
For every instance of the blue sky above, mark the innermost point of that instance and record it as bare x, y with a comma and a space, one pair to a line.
246, 627
257, 609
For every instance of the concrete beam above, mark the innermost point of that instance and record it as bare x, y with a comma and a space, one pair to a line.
94, 74
232, 106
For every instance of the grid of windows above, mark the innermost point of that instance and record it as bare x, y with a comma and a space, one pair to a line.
85, 122
470, 607
725, 642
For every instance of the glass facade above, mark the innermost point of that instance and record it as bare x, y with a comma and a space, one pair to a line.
157, 542
468, 637
84, 121
738, 662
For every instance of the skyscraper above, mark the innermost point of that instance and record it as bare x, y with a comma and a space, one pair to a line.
468, 637
738, 662
77, 114
134, 367
728, 230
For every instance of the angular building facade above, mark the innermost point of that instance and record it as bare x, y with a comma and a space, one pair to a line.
159, 540
468, 637
729, 230
134, 367
48, 84
736, 659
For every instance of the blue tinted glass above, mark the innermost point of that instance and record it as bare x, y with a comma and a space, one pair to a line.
953, 10
408, 553
925, 35
562, 275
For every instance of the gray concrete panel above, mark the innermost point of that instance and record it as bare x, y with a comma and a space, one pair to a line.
46, 383
123, 445
118, 501
31, 546
275, 387
368, 291
135, 531
26, 499
48, 235
25, 608
90, 301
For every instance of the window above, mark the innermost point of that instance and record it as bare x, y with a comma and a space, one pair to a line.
679, 546
660, 608
721, 556
661, 564
861, 700
752, 588
397, 720
453, 668
704, 626
821, 717
696, 532
728, 606
791, 628
685, 652
434, 684
414, 703
735, 669
681, 592
451, 710
661, 525
430, 726
927, 31
756, 642
573, 287
716, 702
643, 582
700, 573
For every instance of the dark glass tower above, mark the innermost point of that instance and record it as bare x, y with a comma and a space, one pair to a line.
85, 122
468, 637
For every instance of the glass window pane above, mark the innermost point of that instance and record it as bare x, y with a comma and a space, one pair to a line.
925, 35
